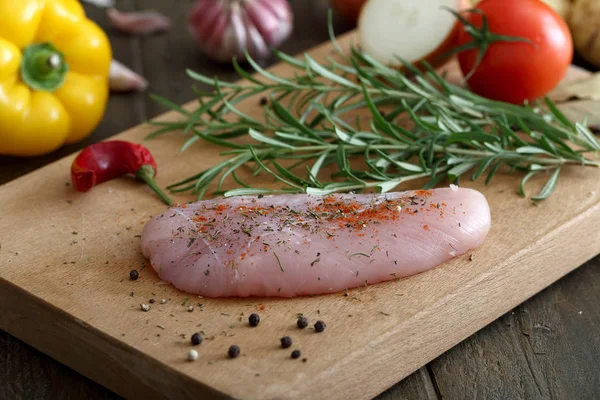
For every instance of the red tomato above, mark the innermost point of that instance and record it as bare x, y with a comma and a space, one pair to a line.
517, 71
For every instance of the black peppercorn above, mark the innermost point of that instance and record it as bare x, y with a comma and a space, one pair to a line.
263, 101
296, 354
286, 342
253, 319
233, 351
151, 301
133, 275
320, 326
302, 322
196, 339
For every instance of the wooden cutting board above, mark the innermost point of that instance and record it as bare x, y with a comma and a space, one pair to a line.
64, 288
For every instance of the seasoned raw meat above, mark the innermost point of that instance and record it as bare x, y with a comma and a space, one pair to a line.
292, 245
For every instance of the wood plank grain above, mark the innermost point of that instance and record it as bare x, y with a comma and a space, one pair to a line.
26, 373
417, 386
540, 350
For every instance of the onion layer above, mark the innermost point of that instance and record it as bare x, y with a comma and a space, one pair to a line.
391, 30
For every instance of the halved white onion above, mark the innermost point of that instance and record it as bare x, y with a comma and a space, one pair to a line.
413, 30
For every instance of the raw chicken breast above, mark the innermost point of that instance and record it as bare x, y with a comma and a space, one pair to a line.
292, 245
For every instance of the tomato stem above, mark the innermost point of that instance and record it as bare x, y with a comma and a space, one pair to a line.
482, 38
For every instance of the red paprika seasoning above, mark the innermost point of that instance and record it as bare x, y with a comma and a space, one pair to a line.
101, 162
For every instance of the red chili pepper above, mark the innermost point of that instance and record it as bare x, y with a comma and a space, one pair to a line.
101, 162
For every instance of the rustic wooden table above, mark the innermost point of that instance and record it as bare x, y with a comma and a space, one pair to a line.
546, 348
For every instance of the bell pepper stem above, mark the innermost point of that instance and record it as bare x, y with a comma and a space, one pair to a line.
45, 62
43, 67
146, 173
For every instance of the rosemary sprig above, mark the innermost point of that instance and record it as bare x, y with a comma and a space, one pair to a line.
309, 124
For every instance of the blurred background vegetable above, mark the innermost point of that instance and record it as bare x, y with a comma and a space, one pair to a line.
224, 29
53, 89
584, 21
122, 79
138, 22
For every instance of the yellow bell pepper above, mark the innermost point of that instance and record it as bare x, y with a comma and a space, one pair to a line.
54, 65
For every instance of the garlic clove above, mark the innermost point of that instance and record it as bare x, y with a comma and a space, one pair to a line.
205, 17
122, 79
257, 47
280, 8
138, 22
218, 42
272, 20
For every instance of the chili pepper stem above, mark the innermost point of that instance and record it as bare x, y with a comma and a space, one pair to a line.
146, 173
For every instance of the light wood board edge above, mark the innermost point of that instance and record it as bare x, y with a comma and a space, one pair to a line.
119, 367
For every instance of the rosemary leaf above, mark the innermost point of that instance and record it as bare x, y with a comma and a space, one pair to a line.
324, 130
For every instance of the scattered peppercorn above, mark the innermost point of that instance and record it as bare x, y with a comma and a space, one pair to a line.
320, 326
151, 301
196, 339
145, 307
253, 319
304, 359
133, 275
286, 342
263, 101
233, 351
296, 354
192, 355
302, 322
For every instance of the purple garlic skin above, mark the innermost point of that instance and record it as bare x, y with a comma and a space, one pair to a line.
224, 29
138, 22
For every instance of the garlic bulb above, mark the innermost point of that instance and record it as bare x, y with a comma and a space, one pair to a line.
227, 28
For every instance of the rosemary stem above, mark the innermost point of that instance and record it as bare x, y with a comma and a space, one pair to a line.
314, 121
437, 148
